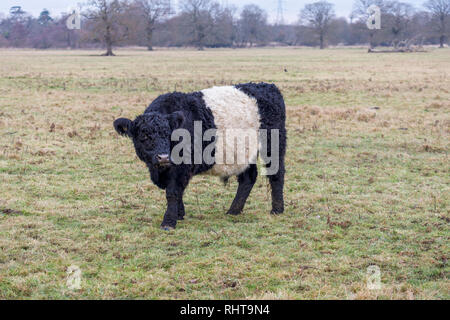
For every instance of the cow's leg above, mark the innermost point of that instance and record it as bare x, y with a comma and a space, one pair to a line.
175, 207
181, 211
277, 186
171, 216
246, 182
276, 179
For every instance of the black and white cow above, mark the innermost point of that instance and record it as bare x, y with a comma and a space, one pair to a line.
251, 106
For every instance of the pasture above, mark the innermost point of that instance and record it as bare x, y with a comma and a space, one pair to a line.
367, 180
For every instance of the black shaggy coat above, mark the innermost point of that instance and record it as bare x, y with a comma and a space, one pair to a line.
151, 135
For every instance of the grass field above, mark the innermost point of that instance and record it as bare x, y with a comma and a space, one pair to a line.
368, 179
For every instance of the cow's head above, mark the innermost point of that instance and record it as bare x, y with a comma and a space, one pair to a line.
151, 134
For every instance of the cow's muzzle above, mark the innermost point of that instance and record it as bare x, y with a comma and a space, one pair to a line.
163, 160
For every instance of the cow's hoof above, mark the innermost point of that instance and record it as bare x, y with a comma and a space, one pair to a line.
276, 212
167, 228
233, 213
180, 218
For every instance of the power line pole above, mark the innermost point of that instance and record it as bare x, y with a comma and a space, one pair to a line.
173, 6
280, 13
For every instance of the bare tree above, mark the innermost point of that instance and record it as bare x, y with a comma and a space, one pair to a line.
19, 27
17, 13
252, 24
105, 15
440, 9
153, 12
398, 19
200, 20
207, 23
42, 31
44, 17
318, 16
222, 33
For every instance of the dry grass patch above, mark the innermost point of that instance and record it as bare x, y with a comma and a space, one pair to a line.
367, 181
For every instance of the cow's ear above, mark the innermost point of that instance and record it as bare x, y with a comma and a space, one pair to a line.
122, 127
176, 120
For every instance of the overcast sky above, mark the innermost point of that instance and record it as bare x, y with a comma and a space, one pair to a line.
291, 7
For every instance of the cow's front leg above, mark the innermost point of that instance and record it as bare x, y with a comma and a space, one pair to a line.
171, 216
175, 206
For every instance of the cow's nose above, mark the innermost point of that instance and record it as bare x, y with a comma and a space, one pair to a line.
163, 159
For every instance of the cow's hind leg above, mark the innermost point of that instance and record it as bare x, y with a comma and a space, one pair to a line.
246, 181
181, 210
277, 186
276, 179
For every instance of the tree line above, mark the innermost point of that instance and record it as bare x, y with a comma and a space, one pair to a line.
206, 23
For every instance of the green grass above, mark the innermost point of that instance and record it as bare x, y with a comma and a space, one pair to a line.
367, 183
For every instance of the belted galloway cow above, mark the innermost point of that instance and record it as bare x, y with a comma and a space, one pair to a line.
219, 131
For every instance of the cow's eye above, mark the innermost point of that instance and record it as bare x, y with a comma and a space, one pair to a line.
143, 138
